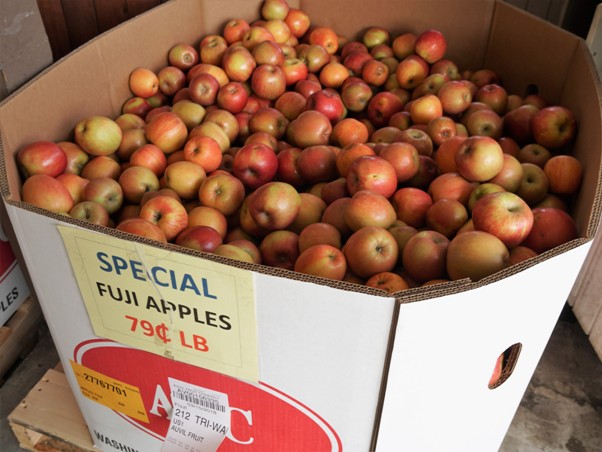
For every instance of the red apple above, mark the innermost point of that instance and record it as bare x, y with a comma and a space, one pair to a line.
335, 215
233, 252
479, 158
268, 81
511, 174
494, 95
280, 249
452, 186
552, 227
388, 281
223, 192
238, 64
411, 71
42, 157
309, 128
475, 255
200, 238
370, 250
446, 216
90, 212
519, 254
368, 208
356, 96
455, 97
424, 255
275, 205
46, 192
204, 151
98, 135
322, 260
171, 80
234, 30
137, 180
564, 173
505, 215
101, 166
311, 209
183, 56
167, 131
534, 153
184, 178
403, 45
517, 123
167, 213
372, 173
143, 228
534, 184
411, 205
382, 106
317, 164
74, 183
143, 82
203, 89
104, 191
76, 157
298, 22
440, 129
329, 102
138, 106
151, 157
200, 215
431, 45
319, 233
190, 112
484, 122
255, 165
554, 126
232, 97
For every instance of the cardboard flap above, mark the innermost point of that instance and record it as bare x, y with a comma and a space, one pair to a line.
445, 352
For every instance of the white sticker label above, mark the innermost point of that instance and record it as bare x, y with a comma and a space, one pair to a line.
200, 419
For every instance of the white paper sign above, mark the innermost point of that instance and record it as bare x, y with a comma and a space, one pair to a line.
200, 418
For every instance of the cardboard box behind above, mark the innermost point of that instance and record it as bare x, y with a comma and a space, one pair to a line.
337, 367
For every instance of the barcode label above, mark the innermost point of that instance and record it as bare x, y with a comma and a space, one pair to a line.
200, 418
210, 403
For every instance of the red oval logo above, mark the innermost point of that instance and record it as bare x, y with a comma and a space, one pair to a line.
261, 417
7, 258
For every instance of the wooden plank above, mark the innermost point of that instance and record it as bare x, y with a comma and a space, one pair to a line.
110, 13
80, 16
56, 27
522, 4
595, 336
538, 8
557, 11
48, 418
19, 334
136, 7
594, 38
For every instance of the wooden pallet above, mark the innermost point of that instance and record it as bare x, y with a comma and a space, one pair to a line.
48, 418
19, 335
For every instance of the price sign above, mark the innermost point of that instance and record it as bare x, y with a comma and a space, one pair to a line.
179, 306
112, 393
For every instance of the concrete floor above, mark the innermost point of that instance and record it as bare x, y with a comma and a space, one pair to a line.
561, 409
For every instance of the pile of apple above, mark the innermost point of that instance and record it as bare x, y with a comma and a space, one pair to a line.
375, 161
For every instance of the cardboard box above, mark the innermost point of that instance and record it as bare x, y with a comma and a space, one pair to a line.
334, 366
